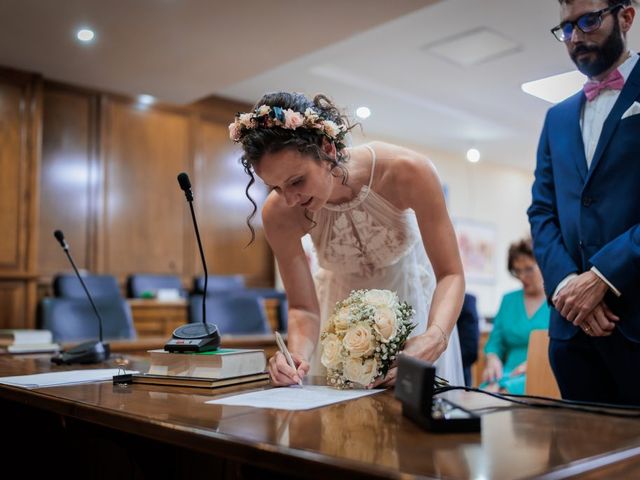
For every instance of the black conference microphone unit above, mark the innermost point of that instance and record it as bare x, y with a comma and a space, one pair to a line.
194, 337
88, 352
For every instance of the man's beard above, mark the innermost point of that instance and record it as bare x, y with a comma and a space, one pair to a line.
605, 55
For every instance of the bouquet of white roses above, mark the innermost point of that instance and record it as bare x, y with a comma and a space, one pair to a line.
363, 337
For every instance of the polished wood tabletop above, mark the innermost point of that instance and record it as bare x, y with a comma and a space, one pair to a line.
367, 437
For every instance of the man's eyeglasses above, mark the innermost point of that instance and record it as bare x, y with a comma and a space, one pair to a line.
587, 23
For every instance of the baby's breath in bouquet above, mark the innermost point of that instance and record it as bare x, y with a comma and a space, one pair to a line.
363, 337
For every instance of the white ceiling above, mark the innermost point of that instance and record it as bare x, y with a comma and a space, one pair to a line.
382, 54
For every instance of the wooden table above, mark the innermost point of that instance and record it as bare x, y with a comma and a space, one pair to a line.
104, 431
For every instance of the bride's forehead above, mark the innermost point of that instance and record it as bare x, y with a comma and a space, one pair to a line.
275, 168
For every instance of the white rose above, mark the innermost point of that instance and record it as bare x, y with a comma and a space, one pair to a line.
380, 297
331, 357
331, 128
359, 341
386, 323
341, 319
245, 119
310, 116
361, 372
264, 110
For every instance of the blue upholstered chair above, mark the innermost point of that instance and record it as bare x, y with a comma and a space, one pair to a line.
100, 286
235, 314
283, 304
218, 283
71, 319
138, 285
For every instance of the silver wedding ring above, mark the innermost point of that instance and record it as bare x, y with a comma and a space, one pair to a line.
587, 329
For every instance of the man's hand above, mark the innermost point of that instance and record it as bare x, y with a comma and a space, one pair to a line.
600, 322
579, 297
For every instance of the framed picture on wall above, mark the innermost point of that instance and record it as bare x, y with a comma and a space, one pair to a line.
477, 244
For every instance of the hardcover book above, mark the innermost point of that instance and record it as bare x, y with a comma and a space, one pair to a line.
258, 379
216, 364
32, 348
24, 336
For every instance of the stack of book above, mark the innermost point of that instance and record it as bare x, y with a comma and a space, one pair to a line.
27, 341
217, 368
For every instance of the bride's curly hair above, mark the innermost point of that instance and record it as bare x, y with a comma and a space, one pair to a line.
258, 142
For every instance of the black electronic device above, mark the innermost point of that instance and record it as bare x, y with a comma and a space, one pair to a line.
414, 388
87, 352
194, 337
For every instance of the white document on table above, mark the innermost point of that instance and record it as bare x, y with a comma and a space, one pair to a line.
293, 397
67, 377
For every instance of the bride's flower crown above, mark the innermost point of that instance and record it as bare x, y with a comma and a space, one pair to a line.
266, 116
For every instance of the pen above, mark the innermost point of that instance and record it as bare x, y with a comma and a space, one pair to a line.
283, 348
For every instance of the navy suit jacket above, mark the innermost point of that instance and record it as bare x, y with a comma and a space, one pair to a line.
582, 218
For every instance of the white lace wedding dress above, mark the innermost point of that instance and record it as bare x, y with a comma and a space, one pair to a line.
369, 243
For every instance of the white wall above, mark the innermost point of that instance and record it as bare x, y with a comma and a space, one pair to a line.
489, 193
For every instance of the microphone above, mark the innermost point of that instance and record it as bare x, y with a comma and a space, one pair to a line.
88, 352
194, 337
185, 185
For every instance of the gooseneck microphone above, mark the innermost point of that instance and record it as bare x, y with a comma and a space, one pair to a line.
88, 352
194, 337
185, 185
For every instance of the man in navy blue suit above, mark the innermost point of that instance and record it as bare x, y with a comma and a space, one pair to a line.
585, 213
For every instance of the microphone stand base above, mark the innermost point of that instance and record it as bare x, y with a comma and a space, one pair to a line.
194, 337
88, 352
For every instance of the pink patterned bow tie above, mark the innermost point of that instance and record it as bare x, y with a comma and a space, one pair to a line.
613, 81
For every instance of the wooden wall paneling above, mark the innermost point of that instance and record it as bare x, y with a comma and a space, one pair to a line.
143, 150
13, 299
20, 120
69, 179
220, 183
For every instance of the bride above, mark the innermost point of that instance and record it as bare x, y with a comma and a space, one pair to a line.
377, 217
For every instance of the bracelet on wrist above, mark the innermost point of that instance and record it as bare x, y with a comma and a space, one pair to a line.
443, 336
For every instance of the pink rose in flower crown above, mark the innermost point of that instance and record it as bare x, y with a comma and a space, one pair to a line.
292, 119
234, 131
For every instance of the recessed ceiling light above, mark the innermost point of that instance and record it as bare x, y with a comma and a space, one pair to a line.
85, 35
146, 99
473, 47
473, 155
363, 112
556, 88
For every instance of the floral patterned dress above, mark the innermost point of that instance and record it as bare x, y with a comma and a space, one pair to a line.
368, 243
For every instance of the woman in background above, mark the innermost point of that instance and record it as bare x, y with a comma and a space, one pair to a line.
520, 312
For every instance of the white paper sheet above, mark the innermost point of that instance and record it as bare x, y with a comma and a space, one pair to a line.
68, 377
294, 397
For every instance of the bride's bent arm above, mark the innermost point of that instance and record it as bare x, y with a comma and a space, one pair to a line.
422, 191
284, 228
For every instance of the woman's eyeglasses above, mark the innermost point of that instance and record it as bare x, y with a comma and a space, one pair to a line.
587, 23
521, 272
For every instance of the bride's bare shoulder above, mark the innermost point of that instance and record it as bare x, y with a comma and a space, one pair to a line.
395, 163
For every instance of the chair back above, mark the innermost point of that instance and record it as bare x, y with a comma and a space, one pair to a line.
218, 283
540, 379
71, 319
235, 314
283, 304
139, 285
99, 286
